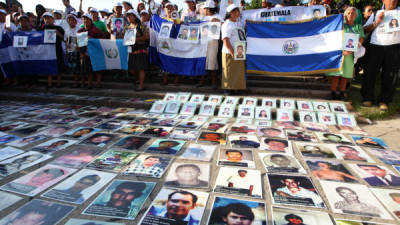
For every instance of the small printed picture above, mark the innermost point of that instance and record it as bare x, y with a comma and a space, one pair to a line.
371, 142
82, 39
110, 203
246, 111
346, 120
117, 25
215, 99
148, 166
356, 130
321, 106
163, 209
281, 163
143, 121
298, 135
263, 123
173, 107
131, 143
100, 139
287, 104
326, 118
200, 118
305, 106
111, 125
389, 157
204, 31
241, 34
8, 152
286, 216
165, 146
244, 141
55, 131
165, 122
276, 145
354, 153
156, 132
158, 107
250, 101
112, 160
184, 134
183, 96
165, 30
214, 30
240, 50
338, 107
53, 145
229, 100
362, 201
8, 200
265, 131
20, 41
268, 102
212, 138
207, 109
190, 124
227, 111
194, 175
50, 36
263, 113
281, 189
391, 21
284, 115
86, 222
238, 181
130, 37
332, 138
390, 198
29, 130
244, 121
236, 157
197, 98
131, 129
27, 140
199, 152
243, 128
307, 117
188, 108
170, 97
80, 133
350, 42
194, 34
78, 157
167, 116
330, 170
376, 176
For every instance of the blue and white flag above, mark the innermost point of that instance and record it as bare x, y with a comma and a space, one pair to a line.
295, 48
176, 56
37, 58
108, 54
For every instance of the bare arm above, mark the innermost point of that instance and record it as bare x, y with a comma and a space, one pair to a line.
228, 45
375, 24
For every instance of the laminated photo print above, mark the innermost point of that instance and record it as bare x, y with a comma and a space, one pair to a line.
8, 152
29, 130
263, 123
226, 111
214, 30
130, 37
204, 31
308, 117
305, 106
111, 125
284, 115
165, 30
268, 102
346, 120
330, 170
200, 118
338, 107
86, 222
183, 96
143, 121
249, 101
315, 150
69, 120
82, 39
376, 176
244, 141
285, 216
53, 145
199, 152
193, 175
38, 180
244, 121
371, 142
56, 131
389, 157
9, 126
80, 133
156, 132
170, 97
190, 124
219, 120
326, 118
280, 163
167, 116
125, 116
131, 129
354, 199
8, 200
22, 142
165, 146
246, 111
236, 157
47, 118
391, 21
356, 130
112, 160
184, 134
110, 203
215, 99
348, 152
184, 33
315, 127
321, 106
147, 165
276, 145
158, 107
79, 187
239, 181
212, 138
390, 199
20, 41
294, 190
287, 104
40, 212
78, 157
263, 113
131, 143
230, 100
100, 139
163, 210
265, 131
332, 138
298, 135
173, 107
167, 122
350, 42
217, 127
197, 98
194, 34
242, 128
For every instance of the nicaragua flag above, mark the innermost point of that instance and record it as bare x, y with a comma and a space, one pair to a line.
108, 54
295, 48
176, 56
37, 58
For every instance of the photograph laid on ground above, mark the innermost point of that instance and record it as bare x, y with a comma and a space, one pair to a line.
315, 150
294, 190
376, 175
111, 125
389, 157
79, 187
263, 123
351, 130
78, 157
188, 108
21, 162
288, 125
268, 102
165, 146
199, 152
354, 153
236, 157
304, 105
326, 118
80, 133
249, 101
121, 199
321, 106
315, 127
190, 124
131, 129
53, 145
244, 121
244, 141
8, 138
170, 97
173, 107
207, 109
89, 222
330, 170
195, 175
156, 132
166, 122
289, 216
280, 163
228, 211
212, 138
284, 114
158, 106
263, 113
230, 100
37, 181
176, 206
307, 116
243, 129
131, 142
238, 181
371, 142
355, 199
197, 98
389, 198
22, 142
227, 111
215, 99
346, 120
332, 138
276, 145
298, 135
8, 199
338, 107
100, 139
147, 165
287, 104
112, 160
56, 131
184, 134
8, 152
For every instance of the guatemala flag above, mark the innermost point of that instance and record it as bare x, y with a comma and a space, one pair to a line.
176, 56
295, 48
108, 54
36, 59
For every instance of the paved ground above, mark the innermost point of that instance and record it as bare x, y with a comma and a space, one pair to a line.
388, 129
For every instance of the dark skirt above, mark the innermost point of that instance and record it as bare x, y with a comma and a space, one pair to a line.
86, 66
138, 58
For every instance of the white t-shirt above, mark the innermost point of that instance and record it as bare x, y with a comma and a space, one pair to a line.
209, 18
230, 30
3, 26
379, 36
70, 32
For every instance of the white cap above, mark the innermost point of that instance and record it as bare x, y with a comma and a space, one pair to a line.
58, 12
3, 11
144, 12
126, 2
169, 4
22, 16
231, 7
87, 15
139, 4
105, 10
132, 11
189, 1
118, 4
209, 4
70, 15
93, 10
47, 14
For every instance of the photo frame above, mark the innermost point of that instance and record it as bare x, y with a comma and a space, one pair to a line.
263, 113
183, 96
130, 37
82, 39
338, 107
214, 30
194, 34
170, 97
246, 112
284, 115
391, 21
189, 108
326, 118
307, 116
165, 30
207, 109
172, 107
350, 42
158, 107
249, 101
321, 106
287, 104
240, 50
215, 99
268, 102
50, 36
227, 111
230, 100
183, 33
117, 25
346, 120
305, 106
197, 98
20, 41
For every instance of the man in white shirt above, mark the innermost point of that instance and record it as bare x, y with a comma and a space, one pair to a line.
241, 181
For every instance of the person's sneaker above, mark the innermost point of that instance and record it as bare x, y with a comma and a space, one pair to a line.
367, 103
383, 107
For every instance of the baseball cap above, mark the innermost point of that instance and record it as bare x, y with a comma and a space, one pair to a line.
47, 14
231, 7
118, 4
3, 11
132, 11
58, 12
94, 10
209, 4
87, 15
144, 12
105, 10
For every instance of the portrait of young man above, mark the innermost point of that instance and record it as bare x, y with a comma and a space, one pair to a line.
188, 175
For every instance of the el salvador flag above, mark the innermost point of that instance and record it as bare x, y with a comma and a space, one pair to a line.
176, 56
37, 58
108, 54
295, 48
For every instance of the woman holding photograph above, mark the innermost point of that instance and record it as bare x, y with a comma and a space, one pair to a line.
138, 56
233, 77
346, 73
